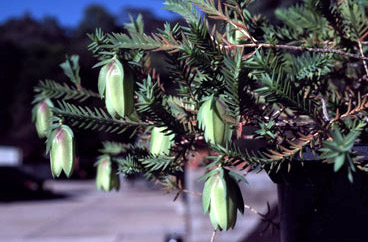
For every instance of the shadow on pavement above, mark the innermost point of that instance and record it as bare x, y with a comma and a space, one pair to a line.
267, 230
17, 185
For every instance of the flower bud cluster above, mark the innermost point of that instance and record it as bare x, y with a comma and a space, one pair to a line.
221, 198
107, 177
62, 153
117, 86
160, 141
210, 119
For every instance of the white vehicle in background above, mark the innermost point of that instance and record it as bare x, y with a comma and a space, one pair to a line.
10, 156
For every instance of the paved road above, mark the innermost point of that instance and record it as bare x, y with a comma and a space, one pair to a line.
135, 214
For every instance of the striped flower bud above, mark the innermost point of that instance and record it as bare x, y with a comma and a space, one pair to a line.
221, 198
118, 88
107, 177
62, 151
42, 115
160, 141
216, 130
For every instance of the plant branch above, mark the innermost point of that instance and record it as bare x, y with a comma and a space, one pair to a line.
263, 216
362, 54
191, 192
56, 90
300, 48
216, 12
97, 119
213, 236
360, 107
296, 147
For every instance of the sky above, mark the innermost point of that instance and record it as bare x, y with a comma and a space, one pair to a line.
70, 12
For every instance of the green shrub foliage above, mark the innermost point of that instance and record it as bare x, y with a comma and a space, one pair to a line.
292, 84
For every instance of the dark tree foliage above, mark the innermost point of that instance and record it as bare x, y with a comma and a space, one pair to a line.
32, 49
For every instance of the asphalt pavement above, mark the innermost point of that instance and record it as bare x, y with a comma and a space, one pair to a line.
79, 213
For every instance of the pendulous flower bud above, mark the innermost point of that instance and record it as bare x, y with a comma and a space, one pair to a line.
42, 117
160, 141
221, 198
62, 151
118, 88
107, 177
210, 120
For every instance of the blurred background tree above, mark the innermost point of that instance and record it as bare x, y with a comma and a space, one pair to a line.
32, 49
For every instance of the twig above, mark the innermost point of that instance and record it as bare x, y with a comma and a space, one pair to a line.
263, 216
300, 48
253, 210
217, 13
362, 54
362, 105
213, 236
191, 192
324, 108
62, 113
283, 123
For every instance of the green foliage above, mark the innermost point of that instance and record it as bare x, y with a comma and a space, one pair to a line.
330, 10
355, 19
311, 66
139, 161
264, 85
113, 148
85, 117
277, 88
200, 51
209, 7
71, 69
267, 129
152, 107
338, 151
136, 26
237, 84
55, 90
284, 86
304, 19
99, 40
138, 41
184, 8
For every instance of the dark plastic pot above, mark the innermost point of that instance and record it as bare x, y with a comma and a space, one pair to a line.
317, 204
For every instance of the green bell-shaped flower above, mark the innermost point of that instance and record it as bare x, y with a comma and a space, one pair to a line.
117, 86
160, 141
62, 154
221, 198
41, 116
210, 120
107, 177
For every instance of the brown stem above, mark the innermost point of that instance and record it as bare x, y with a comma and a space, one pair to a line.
263, 216
213, 236
191, 192
362, 54
300, 48
253, 210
